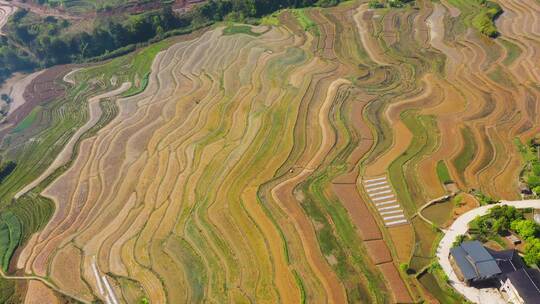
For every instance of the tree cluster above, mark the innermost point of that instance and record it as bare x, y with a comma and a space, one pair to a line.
533, 179
6, 169
485, 20
496, 221
46, 41
374, 4
35, 42
504, 218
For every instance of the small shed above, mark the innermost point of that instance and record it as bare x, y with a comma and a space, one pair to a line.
513, 239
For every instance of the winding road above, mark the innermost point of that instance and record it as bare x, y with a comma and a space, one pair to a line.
460, 226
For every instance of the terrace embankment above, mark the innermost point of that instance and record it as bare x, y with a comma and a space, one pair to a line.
169, 187
464, 108
94, 113
286, 163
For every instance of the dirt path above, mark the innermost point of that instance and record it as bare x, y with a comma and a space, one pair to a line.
43, 281
65, 155
69, 77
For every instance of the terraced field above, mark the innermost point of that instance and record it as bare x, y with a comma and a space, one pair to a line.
5, 11
271, 164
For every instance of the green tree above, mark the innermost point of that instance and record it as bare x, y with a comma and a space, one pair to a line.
144, 300
525, 228
459, 239
6, 169
404, 267
533, 181
535, 167
532, 252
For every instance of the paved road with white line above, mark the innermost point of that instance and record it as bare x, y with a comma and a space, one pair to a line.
460, 226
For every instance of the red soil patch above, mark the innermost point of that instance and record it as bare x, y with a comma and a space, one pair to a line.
350, 177
399, 291
44, 88
378, 251
358, 211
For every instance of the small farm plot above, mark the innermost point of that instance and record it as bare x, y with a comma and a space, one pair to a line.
382, 196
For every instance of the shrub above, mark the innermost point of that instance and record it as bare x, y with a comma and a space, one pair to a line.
404, 267
532, 252
535, 168
6, 169
375, 4
496, 221
484, 21
144, 301
533, 181
459, 239
398, 3
484, 199
525, 228
458, 201
6, 98
327, 3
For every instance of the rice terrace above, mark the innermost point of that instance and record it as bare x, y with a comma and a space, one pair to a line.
251, 151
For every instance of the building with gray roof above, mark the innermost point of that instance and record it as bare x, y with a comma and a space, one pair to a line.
522, 286
474, 263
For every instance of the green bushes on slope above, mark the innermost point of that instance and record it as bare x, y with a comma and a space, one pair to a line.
6, 169
34, 41
373, 4
480, 14
485, 20
10, 234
